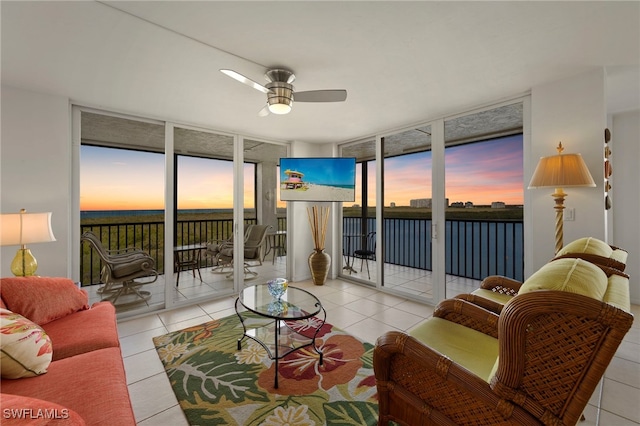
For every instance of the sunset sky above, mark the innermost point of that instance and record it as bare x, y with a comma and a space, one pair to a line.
116, 179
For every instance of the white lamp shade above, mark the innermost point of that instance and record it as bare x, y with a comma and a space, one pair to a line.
25, 228
561, 171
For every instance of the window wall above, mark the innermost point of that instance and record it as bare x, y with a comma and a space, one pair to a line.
449, 207
176, 206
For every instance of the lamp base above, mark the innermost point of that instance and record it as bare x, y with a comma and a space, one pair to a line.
558, 197
24, 264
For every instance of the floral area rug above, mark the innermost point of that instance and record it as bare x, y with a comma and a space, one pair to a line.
217, 384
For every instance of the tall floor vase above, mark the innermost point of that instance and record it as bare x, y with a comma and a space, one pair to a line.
319, 263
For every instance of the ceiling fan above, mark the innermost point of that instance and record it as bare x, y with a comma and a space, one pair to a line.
281, 94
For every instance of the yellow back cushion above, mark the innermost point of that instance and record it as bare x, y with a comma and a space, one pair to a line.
588, 245
570, 275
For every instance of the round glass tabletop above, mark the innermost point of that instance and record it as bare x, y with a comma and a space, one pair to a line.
295, 303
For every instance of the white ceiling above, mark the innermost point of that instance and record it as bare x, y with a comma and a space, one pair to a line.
402, 63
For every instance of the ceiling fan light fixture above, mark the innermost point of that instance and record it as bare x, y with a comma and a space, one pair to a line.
280, 97
280, 109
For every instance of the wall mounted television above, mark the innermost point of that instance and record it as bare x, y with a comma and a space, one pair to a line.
318, 179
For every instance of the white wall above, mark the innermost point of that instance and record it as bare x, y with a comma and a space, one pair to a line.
625, 192
35, 171
298, 230
573, 111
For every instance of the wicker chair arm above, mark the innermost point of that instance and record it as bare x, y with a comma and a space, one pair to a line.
419, 386
490, 305
501, 284
595, 259
468, 314
618, 248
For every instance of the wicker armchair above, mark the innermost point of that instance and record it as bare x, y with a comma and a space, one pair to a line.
611, 259
537, 362
496, 290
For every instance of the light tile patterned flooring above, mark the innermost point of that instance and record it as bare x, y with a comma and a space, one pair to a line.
360, 310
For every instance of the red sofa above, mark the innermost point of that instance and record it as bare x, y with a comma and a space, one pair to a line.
85, 382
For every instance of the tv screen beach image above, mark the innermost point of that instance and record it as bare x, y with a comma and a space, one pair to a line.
317, 179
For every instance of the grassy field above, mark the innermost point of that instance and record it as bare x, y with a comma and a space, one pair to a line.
479, 212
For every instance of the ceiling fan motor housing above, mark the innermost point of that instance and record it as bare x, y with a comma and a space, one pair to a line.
280, 74
280, 97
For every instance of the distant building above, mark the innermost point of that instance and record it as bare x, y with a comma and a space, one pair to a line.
468, 205
457, 204
356, 205
498, 205
424, 203
393, 204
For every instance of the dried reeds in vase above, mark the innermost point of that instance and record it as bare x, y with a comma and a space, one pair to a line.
319, 261
318, 220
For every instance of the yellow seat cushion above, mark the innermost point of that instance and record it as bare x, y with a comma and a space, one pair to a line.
492, 295
571, 275
469, 348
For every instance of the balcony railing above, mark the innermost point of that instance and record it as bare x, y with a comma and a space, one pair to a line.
149, 236
474, 248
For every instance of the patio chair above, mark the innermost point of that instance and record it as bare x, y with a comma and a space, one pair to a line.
123, 271
368, 252
254, 250
214, 247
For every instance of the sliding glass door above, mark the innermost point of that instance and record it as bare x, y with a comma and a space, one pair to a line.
121, 201
203, 212
359, 239
484, 197
407, 213
266, 258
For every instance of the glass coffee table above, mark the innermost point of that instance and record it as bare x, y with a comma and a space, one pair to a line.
295, 305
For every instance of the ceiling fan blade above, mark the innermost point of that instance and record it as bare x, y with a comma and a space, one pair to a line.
242, 79
320, 96
264, 111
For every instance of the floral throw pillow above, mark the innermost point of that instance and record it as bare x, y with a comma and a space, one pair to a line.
25, 349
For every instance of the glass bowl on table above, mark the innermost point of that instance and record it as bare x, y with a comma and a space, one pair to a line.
277, 287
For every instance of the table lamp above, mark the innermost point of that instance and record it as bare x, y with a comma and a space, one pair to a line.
560, 171
21, 229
